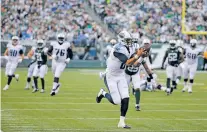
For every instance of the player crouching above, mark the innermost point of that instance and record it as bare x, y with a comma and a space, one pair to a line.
61, 54
41, 66
14, 55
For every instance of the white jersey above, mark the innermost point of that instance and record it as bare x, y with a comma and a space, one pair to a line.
60, 50
114, 65
109, 48
14, 52
192, 55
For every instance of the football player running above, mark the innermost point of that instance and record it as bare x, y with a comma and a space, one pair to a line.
115, 79
180, 46
174, 59
61, 55
14, 55
31, 67
40, 69
191, 62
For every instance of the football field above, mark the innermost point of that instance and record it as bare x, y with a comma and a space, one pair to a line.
74, 109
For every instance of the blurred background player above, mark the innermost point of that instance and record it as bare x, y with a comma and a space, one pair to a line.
61, 53
174, 59
191, 62
31, 67
14, 55
108, 51
205, 59
115, 79
41, 66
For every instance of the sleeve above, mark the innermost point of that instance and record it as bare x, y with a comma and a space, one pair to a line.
69, 53
21, 50
123, 58
50, 49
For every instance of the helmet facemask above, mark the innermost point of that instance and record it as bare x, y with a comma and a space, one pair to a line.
14, 42
61, 40
172, 45
128, 42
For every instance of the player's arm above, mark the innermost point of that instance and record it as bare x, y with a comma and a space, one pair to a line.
181, 59
201, 53
69, 53
6, 52
165, 57
49, 51
30, 53
21, 53
136, 57
150, 58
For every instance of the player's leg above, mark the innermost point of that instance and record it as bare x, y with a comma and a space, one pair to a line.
10, 71
113, 95
43, 71
179, 73
169, 71
185, 76
9, 78
174, 77
35, 78
192, 73
29, 76
124, 93
58, 69
136, 83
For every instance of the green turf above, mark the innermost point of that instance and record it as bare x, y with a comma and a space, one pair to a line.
74, 108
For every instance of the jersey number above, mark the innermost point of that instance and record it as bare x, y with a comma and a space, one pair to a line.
60, 52
191, 56
172, 56
13, 53
122, 66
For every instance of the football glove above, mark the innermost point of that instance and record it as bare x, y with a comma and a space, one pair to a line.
20, 60
67, 60
55, 57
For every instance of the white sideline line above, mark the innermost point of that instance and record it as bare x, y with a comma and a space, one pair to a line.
157, 119
195, 111
75, 103
108, 130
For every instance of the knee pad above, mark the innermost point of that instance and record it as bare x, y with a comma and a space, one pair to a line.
191, 80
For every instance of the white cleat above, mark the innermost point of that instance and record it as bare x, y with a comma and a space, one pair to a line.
122, 125
102, 75
27, 87
42, 91
6, 87
185, 88
55, 91
189, 90
17, 77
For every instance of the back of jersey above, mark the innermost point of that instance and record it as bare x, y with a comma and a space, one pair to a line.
173, 57
114, 65
192, 55
14, 52
60, 51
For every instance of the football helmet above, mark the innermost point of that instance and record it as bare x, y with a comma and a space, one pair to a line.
61, 38
180, 43
172, 44
40, 44
135, 38
113, 41
193, 43
125, 38
15, 40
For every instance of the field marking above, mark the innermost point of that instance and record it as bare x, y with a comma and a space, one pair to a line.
108, 130
81, 118
86, 110
93, 98
75, 103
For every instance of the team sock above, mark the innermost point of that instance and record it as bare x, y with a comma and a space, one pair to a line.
137, 96
36, 82
9, 80
43, 83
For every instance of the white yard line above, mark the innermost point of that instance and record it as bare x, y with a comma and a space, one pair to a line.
157, 119
106, 130
75, 103
86, 110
